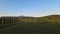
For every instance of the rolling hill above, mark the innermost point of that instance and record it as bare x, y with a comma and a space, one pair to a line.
34, 25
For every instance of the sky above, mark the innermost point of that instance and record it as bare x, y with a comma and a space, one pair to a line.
33, 8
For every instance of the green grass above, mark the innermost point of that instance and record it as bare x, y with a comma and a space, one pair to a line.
32, 28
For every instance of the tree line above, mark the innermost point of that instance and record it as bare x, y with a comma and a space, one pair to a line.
5, 21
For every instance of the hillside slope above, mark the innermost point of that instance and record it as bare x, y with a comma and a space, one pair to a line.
50, 18
53, 18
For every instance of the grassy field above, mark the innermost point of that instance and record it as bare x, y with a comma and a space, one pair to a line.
31, 28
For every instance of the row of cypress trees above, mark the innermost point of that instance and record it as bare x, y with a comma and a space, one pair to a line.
5, 21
